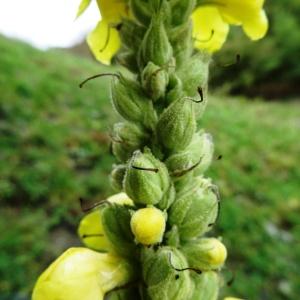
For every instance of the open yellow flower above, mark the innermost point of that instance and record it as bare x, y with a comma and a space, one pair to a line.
80, 273
90, 229
212, 18
104, 40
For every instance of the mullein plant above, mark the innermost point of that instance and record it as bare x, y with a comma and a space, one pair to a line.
150, 240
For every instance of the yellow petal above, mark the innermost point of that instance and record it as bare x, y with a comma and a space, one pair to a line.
91, 232
113, 10
209, 29
82, 7
248, 13
257, 27
80, 273
104, 42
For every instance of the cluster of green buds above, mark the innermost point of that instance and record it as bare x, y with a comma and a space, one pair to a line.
154, 231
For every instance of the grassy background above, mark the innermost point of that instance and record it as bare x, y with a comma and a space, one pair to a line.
55, 148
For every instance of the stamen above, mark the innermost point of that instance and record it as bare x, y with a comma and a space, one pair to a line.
95, 205
109, 27
200, 92
155, 170
86, 236
97, 76
179, 173
208, 39
184, 269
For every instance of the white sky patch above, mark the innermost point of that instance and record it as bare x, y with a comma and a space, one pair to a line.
46, 23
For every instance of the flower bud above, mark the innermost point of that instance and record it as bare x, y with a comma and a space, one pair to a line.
127, 137
125, 293
206, 286
127, 59
155, 81
182, 42
80, 273
91, 232
174, 89
181, 10
194, 74
162, 275
131, 103
194, 210
206, 152
120, 199
148, 225
116, 177
205, 254
147, 180
131, 34
156, 46
177, 125
116, 224
141, 11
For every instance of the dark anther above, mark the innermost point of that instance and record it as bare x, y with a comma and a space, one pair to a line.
85, 236
184, 269
97, 204
179, 173
177, 277
155, 170
200, 92
119, 26
215, 190
193, 100
220, 157
208, 39
97, 76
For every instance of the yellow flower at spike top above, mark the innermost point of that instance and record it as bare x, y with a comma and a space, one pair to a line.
80, 273
104, 40
211, 20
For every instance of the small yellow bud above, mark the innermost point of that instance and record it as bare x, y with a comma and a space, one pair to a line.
205, 254
148, 225
121, 199
217, 254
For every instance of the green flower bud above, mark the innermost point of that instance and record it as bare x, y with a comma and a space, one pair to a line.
131, 34
194, 73
131, 103
155, 80
182, 42
177, 125
206, 152
117, 176
196, 157
195, 209
206, 286
156, 46
141, 11
147, 180
205, 254
181, 10
174, 89
116, 224
148, 225
162, 275
127, 137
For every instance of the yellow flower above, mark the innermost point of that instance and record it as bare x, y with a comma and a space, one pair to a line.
80, 273
148, 225
211, 21
90, 229
104, 40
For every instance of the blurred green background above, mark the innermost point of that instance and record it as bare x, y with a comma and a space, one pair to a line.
54, 148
